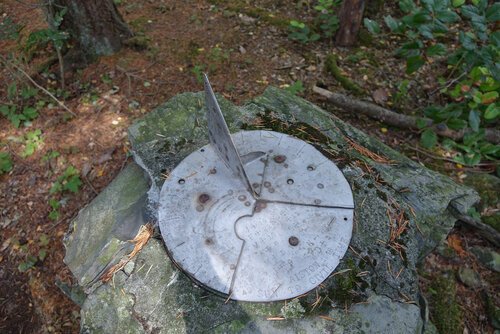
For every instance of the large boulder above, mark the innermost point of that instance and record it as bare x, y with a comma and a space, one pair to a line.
401, 214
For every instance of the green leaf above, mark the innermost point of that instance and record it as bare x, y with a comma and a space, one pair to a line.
54, 215
392, 23
406, 6
492, 112
372, 26
493, 12
436, 50
495, 38
44, 240
56, 187
421, 123
5, 162
474, 120
42, 253
296, 87
30, 113
467, 41
457, 3
447, 16
472, 159
414, 63
73, 184
428, 138
490, 149
456, 124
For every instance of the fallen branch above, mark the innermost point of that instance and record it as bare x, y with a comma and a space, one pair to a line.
395, 119
486, 231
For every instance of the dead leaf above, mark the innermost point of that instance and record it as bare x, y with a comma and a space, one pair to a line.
455, 243
380, 96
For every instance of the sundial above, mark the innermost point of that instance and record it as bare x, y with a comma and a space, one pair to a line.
257, 215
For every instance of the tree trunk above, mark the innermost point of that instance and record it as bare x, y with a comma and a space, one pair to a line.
350, 16
96, 27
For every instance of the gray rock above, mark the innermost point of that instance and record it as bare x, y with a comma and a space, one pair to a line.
151, 295
469, 277
98, 237
488, 257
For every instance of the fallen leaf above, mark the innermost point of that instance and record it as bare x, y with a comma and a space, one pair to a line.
455, 243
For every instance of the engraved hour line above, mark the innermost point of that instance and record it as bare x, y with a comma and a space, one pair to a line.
298, 152
261, 187
281, 138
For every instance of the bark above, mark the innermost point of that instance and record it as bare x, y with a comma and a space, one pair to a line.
395, 119
96, 26
350, 16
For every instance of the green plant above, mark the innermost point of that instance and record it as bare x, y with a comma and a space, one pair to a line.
32, 141
328, 21
402, 93
5, 162
8, 29
54, 212
39, 39
50, 156
296, 87
21, 106
68, 181
299, 31
31, 260
198, 70
471, 50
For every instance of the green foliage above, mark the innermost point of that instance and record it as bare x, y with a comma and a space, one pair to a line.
31, 260
22, 106
428, 138
372, 26
327, 20
40, 39
198, 71
5, 162
54, 212
68, 181
299, 31
8, 29
472, 97
50, 156
32, 141
296, 87
326, 23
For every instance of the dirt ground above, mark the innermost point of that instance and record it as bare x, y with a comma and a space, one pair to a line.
242, 54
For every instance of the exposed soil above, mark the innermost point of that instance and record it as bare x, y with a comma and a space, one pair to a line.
242, 54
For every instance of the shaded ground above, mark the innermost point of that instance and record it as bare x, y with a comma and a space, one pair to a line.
244, 48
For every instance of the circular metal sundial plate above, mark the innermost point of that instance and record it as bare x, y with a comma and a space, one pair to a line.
274, 245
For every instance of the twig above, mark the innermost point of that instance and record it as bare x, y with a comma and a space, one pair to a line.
395, 119
42, 88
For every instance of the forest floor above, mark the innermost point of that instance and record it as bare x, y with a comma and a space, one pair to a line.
244, 48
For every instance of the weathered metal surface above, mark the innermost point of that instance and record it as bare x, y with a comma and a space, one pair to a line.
274, 246
220, 138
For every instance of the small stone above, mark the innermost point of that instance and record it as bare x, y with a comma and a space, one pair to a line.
489, 258
469, 277
247, 20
